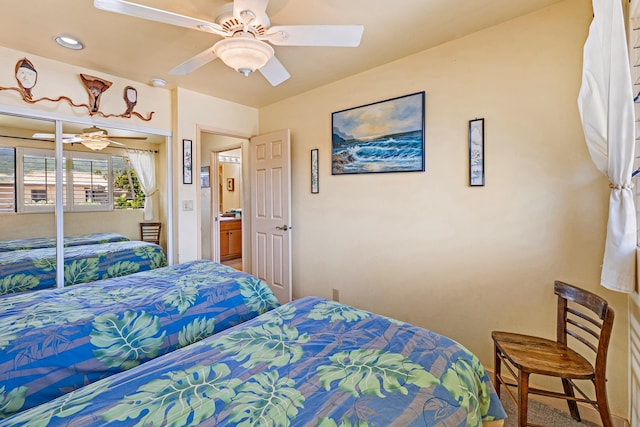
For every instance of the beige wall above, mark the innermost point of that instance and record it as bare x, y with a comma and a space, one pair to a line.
195, 113
57, 79
427, 248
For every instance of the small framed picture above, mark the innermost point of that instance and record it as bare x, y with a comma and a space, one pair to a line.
476, 153
315, 180
230, 184
187, 161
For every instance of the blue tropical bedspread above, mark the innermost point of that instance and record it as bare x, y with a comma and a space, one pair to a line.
50, 242
34, 269
54, 341
312, 362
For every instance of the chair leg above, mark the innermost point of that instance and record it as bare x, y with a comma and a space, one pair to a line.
523, 395
496, 370
603, 403
573, 406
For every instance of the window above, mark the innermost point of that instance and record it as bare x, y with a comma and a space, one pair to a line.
91, 181
37, 187
7, 179
127, 192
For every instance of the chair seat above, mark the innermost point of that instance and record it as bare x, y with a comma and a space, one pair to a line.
537, 355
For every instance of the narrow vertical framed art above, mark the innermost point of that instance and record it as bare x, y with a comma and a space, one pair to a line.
315, 179
187, 161
476, 153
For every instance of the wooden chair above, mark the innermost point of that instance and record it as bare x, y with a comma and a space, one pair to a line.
533, 355
150, 232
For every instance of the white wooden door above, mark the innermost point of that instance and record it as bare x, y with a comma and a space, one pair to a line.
271, 211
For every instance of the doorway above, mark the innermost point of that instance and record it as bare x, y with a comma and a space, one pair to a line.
222, 199
229, 201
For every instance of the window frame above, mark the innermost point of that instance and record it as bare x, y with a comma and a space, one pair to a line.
68, 202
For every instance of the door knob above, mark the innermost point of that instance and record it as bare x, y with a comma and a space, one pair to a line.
284, 228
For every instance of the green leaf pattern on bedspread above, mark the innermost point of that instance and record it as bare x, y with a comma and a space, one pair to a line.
156, 258
364, 371
71, 404
81, 271
45, 264
337, 312
18, 283
49, 313
266, 400
121, 268
271, 344
183, 296
126, 341
330, 422
180, 398
257, 295
196, 330
11, 401
461, 380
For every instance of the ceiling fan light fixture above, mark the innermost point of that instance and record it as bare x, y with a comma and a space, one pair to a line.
95, 144
243, 53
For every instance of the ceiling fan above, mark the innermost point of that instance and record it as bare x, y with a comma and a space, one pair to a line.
93, 138
247, 36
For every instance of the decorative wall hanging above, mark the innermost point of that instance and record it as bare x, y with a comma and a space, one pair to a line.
27, 77
187, 165
95, 87
315, 179
231, 185
385, 136
476, 152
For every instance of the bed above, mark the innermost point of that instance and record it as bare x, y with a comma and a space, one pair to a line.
50, 242
311, 362
35, 269
57, 340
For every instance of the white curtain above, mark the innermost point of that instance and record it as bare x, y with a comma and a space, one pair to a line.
144, 164
606, 110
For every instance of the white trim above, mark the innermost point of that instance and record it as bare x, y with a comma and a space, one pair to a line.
59, 208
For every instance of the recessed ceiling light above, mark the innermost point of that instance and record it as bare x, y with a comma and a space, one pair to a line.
69, 42
158, 82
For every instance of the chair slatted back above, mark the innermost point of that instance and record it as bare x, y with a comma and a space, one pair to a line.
150, 232
585, 317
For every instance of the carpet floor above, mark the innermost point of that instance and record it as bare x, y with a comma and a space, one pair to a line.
540, 414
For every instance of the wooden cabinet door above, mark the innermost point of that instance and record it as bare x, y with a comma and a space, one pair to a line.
235, 242
224, 244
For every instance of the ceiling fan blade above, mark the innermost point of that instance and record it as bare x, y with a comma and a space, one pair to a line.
258, 7
194, 63
72, 139
274, 72
315, 35
114, 142
158, 15
51, 135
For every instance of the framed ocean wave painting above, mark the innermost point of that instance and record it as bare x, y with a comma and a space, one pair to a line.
385, 136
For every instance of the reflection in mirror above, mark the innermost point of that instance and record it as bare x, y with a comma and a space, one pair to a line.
103, 194
27, 199
229, 172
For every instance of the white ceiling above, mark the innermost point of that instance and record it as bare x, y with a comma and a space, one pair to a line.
141, 50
